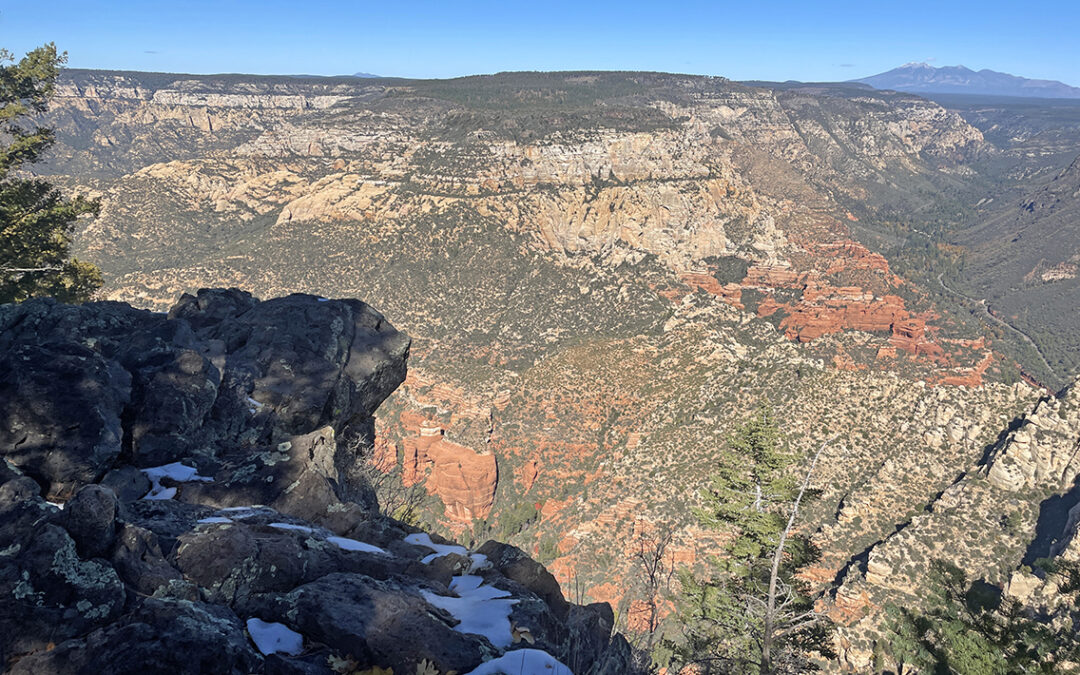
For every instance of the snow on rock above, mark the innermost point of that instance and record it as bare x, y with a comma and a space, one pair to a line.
479, 562
354, 545
290, 526
275, 638
242, 511
424, 539
215, 519
181, 473
481, 609
523, 662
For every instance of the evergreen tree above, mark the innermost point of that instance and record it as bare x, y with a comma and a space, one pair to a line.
970, 629
36, 220
751, 615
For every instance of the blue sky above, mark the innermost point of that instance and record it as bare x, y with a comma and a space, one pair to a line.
742, 40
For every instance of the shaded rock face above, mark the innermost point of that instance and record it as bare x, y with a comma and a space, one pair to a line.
260, 516
81, 386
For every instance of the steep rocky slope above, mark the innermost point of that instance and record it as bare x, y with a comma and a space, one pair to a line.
603, 274
1016, 507
204, 515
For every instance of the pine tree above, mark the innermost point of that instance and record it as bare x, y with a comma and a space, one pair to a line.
751, 615
36, 220
972, 629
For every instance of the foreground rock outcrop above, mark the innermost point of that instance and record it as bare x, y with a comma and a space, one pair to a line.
176, 496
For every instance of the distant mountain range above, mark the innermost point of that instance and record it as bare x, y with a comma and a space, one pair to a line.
924, 78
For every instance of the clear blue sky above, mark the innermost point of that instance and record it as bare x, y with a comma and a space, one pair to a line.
743, 40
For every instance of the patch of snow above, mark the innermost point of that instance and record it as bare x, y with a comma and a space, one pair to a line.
181, 473
479, 562
523, 662
59, 506
353, 545
241, 511
481, 609
424, 539
290, 526
275, 638
215, 519
324, 299
253, 405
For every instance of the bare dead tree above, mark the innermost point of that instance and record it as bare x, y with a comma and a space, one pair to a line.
654, 571
782, 615
395, 499
657, 570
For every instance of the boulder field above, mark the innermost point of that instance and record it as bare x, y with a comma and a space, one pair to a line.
179, 494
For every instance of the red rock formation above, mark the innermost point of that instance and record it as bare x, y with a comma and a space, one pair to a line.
639, 614
772, 276
627, 507
463, 478
417, 448
501, 400
527, 473
907, 334
910, 336
815, 293
852, 255
682, 555
973, 377
768, 307
553, 506
606, 592
843, 361
884, 353
385, 454
729, 293
808, 322
817, 575
847, 610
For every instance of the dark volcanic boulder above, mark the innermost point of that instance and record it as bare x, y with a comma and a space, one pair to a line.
138, 560
60, 410
297, 476
170, 637
90, 519
513, 564
297, 363
378, 623
50, 594
82, 385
